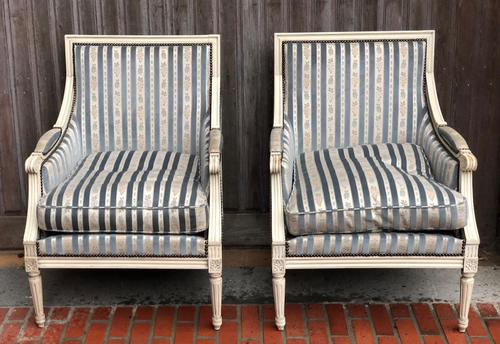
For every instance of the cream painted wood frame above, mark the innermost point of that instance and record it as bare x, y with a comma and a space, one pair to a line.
213, 261
468, 262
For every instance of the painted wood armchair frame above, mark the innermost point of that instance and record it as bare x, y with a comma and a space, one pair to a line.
449, 138
212, 262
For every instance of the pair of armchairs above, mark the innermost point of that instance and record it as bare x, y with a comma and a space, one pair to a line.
364, 170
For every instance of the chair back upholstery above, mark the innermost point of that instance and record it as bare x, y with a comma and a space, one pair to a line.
140, 93
340, 93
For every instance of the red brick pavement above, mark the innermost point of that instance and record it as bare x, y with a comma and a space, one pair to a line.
307, 323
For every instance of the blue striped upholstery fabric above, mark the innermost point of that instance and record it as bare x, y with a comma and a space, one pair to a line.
62, 162
370, 188
129, 245
444, 165
365, 244
128, 191
142, 97
344, 94
288, 158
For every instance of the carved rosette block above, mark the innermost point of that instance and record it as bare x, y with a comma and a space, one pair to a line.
278, 260
471, 259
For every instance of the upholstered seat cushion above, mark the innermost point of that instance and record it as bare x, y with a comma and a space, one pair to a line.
393, 244
370, 188
128, 191
146, 245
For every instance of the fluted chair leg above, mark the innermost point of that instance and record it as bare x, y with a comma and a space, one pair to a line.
466, 285
279, 300
35, 281
216, 290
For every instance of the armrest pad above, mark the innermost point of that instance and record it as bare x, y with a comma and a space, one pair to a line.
453, 139
215, 141
275, 141
47, 141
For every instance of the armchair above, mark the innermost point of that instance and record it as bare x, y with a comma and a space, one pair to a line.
130, 175
364, 170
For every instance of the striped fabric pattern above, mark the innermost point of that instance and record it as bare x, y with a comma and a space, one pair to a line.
128, 191
63, 161
366, 244
444, 165
370, 188
125, 245
141, 97
203, 155
344, 94
287, 159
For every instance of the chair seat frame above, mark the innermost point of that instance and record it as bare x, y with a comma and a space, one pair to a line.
211, 262
454, 144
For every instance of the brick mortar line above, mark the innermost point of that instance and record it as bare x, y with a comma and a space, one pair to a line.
24, 325
70, 316
109, 323
88, 324
348, 319
239, 328
435, 317
174, 324
413, 318
327, 323
483, 322
370, 321
153, 323
305, 322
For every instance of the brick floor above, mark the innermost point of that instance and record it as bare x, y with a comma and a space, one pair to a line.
306, 323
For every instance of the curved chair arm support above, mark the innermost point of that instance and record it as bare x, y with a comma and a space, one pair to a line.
215, 207
456, 142
278, 224
453, 138
32, 166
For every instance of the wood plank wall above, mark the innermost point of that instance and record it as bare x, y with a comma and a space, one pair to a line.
32, 78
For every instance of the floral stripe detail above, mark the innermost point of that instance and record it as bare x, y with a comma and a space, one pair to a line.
366, 244
63, 161
370, 188
124, 245
288, 158
443, 164
128, 191
141, 97
344, 94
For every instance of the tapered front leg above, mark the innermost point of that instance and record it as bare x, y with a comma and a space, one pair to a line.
216, 290
35, 280
279, 300
466, 285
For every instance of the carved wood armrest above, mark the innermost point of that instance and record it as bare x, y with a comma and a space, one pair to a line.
48, 141
276, 151
456, 142
214, 149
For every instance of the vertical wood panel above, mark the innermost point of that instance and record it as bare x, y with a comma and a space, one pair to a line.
44, 59
32, 65
87, 17
136, 17
230, 104
110, 17
22, 86
10, 182
183, 13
